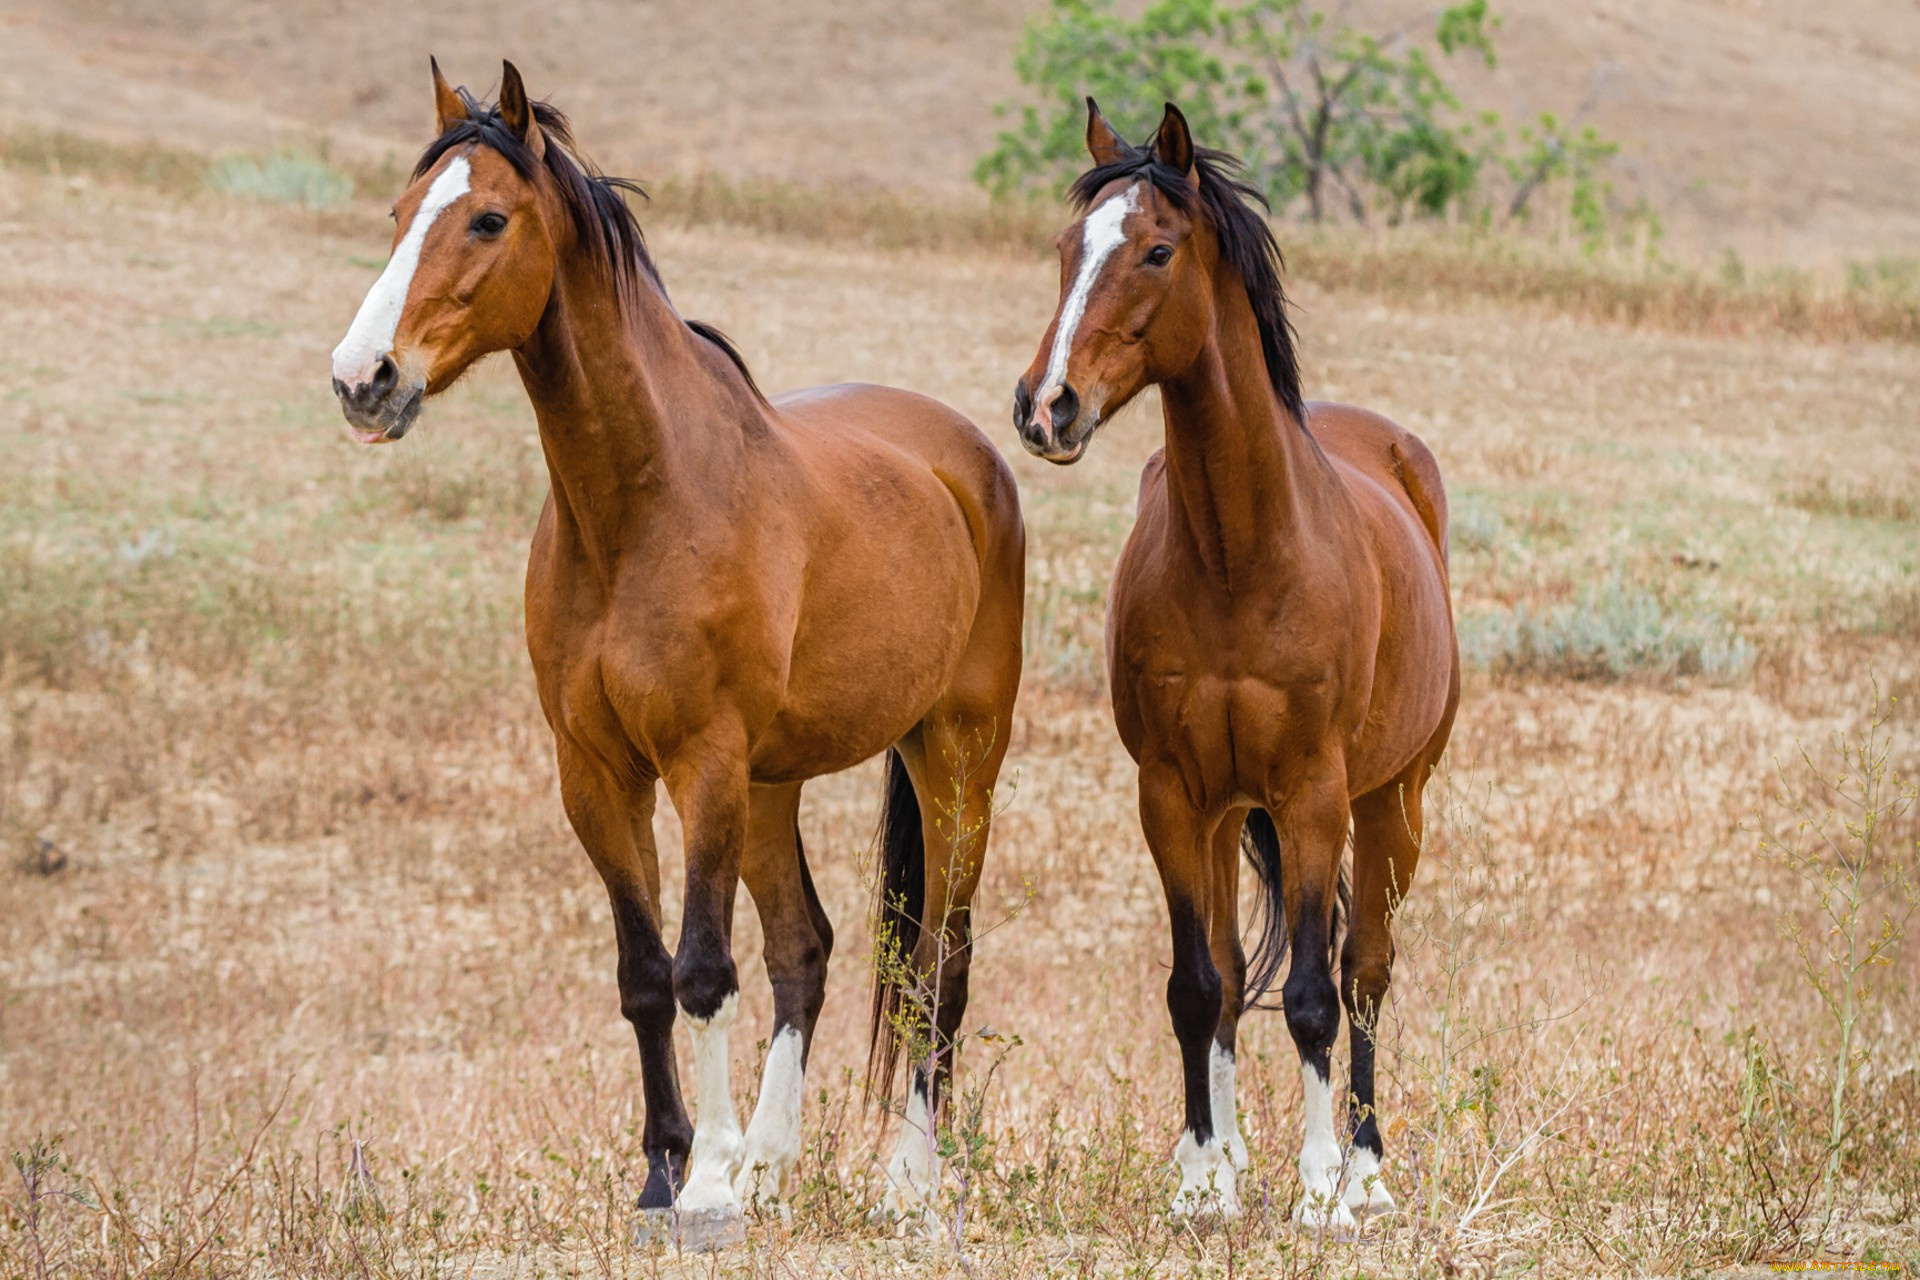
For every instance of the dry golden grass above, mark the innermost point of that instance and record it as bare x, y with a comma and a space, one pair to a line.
301, 972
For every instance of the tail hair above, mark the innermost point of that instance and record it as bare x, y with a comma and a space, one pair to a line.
1268, 954
900, 892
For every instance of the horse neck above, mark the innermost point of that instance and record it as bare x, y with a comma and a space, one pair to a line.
636, 422
1241, 472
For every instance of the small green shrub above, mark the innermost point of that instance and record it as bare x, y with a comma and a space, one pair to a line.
1345, 122
1613, 632
286, 177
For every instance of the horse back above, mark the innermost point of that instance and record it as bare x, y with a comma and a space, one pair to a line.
859, 418
1399, 460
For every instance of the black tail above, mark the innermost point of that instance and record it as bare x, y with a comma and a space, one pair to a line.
900, 900
1261, 843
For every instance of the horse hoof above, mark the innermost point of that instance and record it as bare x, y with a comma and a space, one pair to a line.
1328, 1218
1203, 1204
1366, 1203
904, 1217
759, 1183
691, 1231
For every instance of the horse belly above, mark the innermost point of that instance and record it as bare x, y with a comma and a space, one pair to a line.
1412, 685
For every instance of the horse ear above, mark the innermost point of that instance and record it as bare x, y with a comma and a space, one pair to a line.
516, 109
1103, 144
1173, 144
449, 107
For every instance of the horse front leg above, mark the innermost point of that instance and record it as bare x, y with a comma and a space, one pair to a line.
616, 829
1178, 836
1312, 824
711, 796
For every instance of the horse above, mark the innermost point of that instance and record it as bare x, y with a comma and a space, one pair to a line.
1280, 644
727, 594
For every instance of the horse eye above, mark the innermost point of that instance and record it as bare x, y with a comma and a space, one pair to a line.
489, 224
1160, 256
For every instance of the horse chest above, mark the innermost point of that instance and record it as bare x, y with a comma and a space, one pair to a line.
1235, 733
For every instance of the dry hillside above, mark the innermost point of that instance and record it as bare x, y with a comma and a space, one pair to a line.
1779, 128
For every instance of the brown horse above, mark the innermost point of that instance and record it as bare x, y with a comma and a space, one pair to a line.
728, 595
1280, 638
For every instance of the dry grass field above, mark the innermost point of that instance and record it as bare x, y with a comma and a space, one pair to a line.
303, 974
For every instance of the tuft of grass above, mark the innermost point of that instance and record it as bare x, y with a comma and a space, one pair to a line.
285, 177
1611, 632
1897, 278
60, 154
1829, 497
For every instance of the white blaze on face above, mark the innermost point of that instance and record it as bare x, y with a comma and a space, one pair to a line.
371, 335
1100, 235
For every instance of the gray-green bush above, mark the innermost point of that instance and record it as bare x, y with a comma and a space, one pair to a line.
286, 177
1610, 632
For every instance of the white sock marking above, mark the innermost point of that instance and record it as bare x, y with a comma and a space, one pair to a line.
717, 1144
371, 334
914, 1167
1226, 1113
1321, 1205
1207, 1179
1365, 1192
773, 1135
1100, 235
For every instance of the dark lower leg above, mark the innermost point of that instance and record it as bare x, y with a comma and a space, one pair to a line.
1194, 999
1365, 992
1313, 1016
646, 1000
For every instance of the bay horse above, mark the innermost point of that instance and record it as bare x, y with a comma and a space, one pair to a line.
1280, 643
728, 595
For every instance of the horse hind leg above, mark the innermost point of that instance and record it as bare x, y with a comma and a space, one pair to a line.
953, 761
1388, 828
1230, 959
799, 940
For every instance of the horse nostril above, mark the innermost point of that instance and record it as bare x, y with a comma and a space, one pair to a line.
1022, 404
1066, 408
386, 376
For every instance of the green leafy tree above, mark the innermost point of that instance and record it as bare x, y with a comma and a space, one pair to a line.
1341, 121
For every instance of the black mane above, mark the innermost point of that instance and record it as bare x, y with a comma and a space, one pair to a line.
1235, 207
601, 216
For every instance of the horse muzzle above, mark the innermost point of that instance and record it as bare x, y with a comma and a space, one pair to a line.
1057, 427
382, 406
